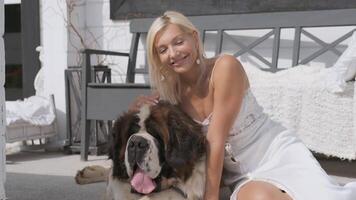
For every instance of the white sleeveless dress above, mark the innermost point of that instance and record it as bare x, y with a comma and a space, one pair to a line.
263, 150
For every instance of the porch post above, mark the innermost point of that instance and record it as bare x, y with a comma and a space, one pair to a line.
2, 103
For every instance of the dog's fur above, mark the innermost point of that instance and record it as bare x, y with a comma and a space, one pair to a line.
172, 152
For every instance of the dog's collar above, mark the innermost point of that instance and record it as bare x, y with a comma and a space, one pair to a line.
180, 191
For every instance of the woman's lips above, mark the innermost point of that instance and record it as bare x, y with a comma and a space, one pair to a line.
179, 62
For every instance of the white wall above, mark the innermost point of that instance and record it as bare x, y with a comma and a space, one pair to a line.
54, 42
2, 103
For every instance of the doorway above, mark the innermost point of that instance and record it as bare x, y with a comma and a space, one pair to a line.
21, 37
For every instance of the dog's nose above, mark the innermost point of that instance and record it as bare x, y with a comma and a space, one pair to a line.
138, 142
137, 148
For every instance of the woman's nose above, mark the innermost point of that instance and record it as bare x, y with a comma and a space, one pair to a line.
172, 52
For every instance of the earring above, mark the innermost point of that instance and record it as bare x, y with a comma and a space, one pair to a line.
198, 61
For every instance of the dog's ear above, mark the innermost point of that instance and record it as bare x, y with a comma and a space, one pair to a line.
123, 128
186, 143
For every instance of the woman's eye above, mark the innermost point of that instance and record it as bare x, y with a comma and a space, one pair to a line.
162, 50
179, 42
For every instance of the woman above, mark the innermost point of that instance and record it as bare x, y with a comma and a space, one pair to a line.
255, 156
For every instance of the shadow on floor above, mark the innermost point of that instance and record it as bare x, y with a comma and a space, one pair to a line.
32, 156
337, 167
48, 187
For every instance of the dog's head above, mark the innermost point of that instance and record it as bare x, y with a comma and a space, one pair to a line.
159, 141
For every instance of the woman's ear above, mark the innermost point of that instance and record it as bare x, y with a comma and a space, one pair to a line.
197, 43
195, 35
196, 38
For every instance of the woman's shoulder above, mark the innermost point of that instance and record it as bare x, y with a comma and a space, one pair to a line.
226, 63
227, 60
227, 66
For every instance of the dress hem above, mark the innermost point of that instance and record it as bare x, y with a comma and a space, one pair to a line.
270, 181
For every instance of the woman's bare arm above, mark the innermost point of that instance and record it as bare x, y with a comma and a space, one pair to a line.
229, 83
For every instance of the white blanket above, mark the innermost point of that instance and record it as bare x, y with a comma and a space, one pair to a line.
299, 99
35, 110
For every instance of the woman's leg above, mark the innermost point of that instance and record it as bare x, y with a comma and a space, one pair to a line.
259, 190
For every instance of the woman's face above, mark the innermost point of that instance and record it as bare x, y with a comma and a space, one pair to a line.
176, 49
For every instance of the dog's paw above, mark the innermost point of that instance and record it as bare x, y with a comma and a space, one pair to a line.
167, 183
145, 198
91, 174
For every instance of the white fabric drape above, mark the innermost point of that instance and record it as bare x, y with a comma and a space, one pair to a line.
2, 103
299, 98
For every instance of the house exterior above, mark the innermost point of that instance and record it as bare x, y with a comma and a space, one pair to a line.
66, 26
92, 19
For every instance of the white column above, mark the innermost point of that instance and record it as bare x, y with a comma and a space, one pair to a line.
53, 15
2, 103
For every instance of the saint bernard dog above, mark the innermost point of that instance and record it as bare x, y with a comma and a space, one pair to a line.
157, 153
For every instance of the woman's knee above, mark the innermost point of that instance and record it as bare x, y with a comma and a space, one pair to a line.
257, 191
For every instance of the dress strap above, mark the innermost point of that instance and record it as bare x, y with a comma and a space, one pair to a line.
213, 70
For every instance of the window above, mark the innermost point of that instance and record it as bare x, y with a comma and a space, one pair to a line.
13, 52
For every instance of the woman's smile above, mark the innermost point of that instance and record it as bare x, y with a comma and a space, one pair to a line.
179, 62
176, 49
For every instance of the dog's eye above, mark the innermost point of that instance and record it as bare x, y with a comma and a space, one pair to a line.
134, 128
152, 128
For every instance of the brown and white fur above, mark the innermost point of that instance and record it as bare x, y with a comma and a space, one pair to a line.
193, 188
166, 144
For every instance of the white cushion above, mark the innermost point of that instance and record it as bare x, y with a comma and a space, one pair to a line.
344, 68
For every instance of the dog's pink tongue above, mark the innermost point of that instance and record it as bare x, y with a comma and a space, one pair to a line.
142, 183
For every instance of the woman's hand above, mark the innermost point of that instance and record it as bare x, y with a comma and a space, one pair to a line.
143, 100
211, 196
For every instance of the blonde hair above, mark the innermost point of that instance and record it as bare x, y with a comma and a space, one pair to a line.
164, 79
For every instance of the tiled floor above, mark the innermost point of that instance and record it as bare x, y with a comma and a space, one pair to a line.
43, 176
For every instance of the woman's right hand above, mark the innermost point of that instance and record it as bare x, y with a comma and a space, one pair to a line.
143, 100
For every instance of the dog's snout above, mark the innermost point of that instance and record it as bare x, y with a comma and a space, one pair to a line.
137, 148
138, 142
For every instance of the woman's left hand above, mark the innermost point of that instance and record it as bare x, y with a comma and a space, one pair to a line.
143, 100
